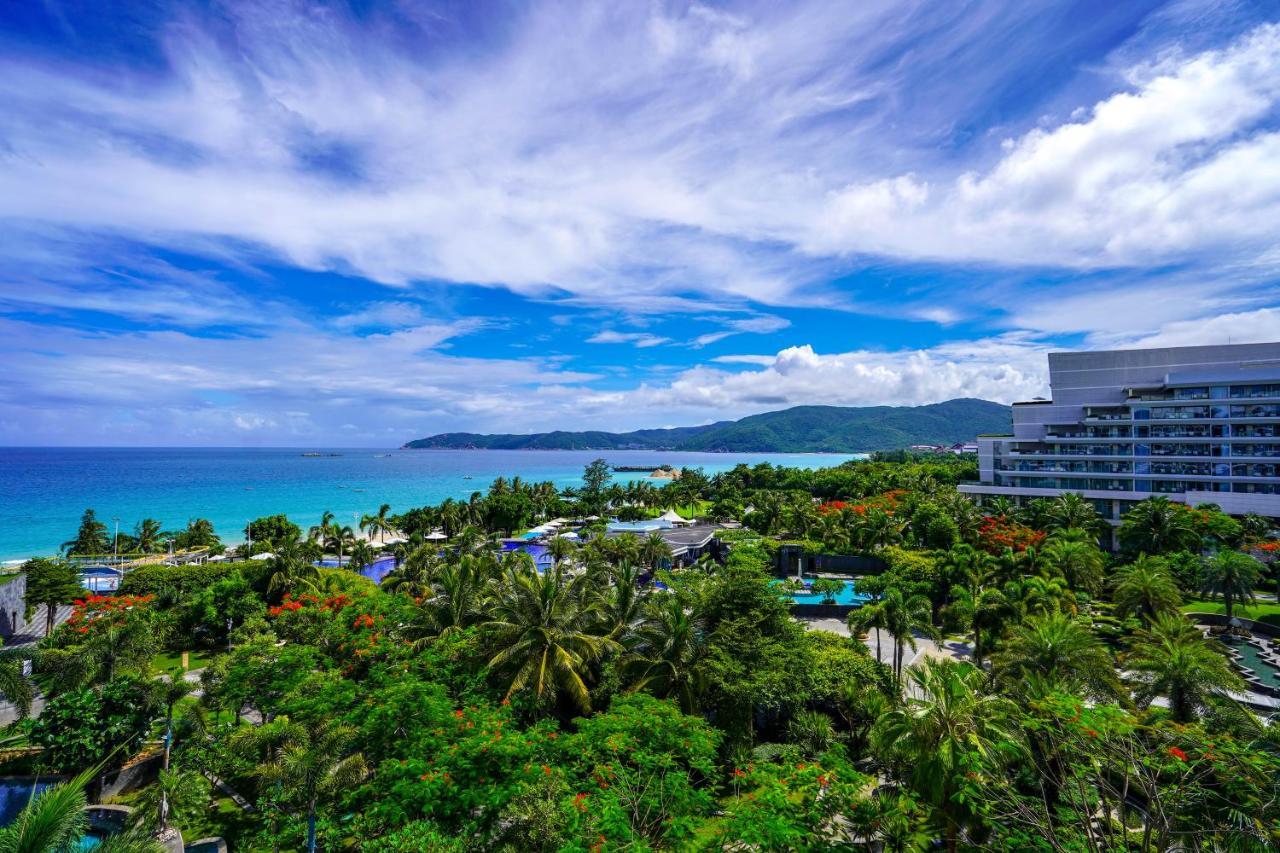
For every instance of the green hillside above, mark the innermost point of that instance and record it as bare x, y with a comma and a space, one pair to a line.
803, 429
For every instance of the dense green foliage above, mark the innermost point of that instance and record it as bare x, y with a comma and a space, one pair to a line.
1010, 686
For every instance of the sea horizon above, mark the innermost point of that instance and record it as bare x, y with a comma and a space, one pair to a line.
45, 489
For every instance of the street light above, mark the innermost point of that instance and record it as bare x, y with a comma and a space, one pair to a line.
115, 544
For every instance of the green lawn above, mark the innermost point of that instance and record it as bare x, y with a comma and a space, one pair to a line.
9, 578
172, 661
1263, 612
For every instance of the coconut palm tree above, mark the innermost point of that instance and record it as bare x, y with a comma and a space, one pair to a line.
290, 572
877, 529
379, 523
1172, 659
621, 604
871, 616
560, 548
340, 537
1158, 526
459, 587
1056, 651
320, 532
1145, 588
1233, 576
414, 575
654, 551
148, 536
315, 765
362, 554
91, 538
936, 738
666, 654
905, 616
538, 631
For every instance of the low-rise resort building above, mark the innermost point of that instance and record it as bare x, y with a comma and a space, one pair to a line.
1196, 424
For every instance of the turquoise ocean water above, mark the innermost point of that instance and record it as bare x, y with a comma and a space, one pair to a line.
43, 491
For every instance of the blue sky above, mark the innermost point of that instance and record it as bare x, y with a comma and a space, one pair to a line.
281, 223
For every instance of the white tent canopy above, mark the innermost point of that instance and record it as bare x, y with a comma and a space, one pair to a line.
435, 536
672, 516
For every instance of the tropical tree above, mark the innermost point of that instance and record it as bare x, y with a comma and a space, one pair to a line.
655, 551
665, 654
871, 616
91, 538
1157, 526
1172, 659
320, 532
538, 631
14, 686
813, 731
362, 554
1070, 511
1146, 589
1081, 563
1056, 652
378, 523
560, 548
289, 572
148, 536
1233, 576
945, 728
904, 616
50, 583
314, 765
56, 820
180, 794
414, 575
198, 534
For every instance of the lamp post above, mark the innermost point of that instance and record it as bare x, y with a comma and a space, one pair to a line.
115, 543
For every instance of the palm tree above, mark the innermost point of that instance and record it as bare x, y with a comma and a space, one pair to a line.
654, 551
878, 529
183, 794
1056, 651
378, 523
903, 617
1233, 576
665, 655
560, 548
413, 576
1158, 526
622, 603
290, 572
314, 765
813, 731
538, 630
1172, 659
1146, 589
91, 538
148, 536
340, 537
871, 616
362, 554
320, 532
934, 740
56, 819
458, 588
1070, 511
1079, 562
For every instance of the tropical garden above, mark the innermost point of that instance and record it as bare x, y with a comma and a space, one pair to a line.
1009, 686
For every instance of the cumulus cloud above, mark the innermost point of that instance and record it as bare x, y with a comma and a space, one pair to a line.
1183, 162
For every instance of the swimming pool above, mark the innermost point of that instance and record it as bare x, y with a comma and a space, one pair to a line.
541, 559
648, 526
15, 793
848, 596
1251, 657
375, 571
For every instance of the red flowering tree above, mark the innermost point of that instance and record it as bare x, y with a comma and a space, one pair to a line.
998, 532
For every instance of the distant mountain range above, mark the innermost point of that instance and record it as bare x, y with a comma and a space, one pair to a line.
803, 429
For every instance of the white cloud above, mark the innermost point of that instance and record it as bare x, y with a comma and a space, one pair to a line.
1181, 163
639, 339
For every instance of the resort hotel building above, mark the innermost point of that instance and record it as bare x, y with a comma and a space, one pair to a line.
1195, 424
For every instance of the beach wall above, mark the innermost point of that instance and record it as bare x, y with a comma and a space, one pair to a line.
11, 607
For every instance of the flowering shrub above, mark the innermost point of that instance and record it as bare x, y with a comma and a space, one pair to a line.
888, 501
99, 611
999, 532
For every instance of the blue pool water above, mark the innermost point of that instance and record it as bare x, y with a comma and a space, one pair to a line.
43, 491
375, 571
647, 526
849, 596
